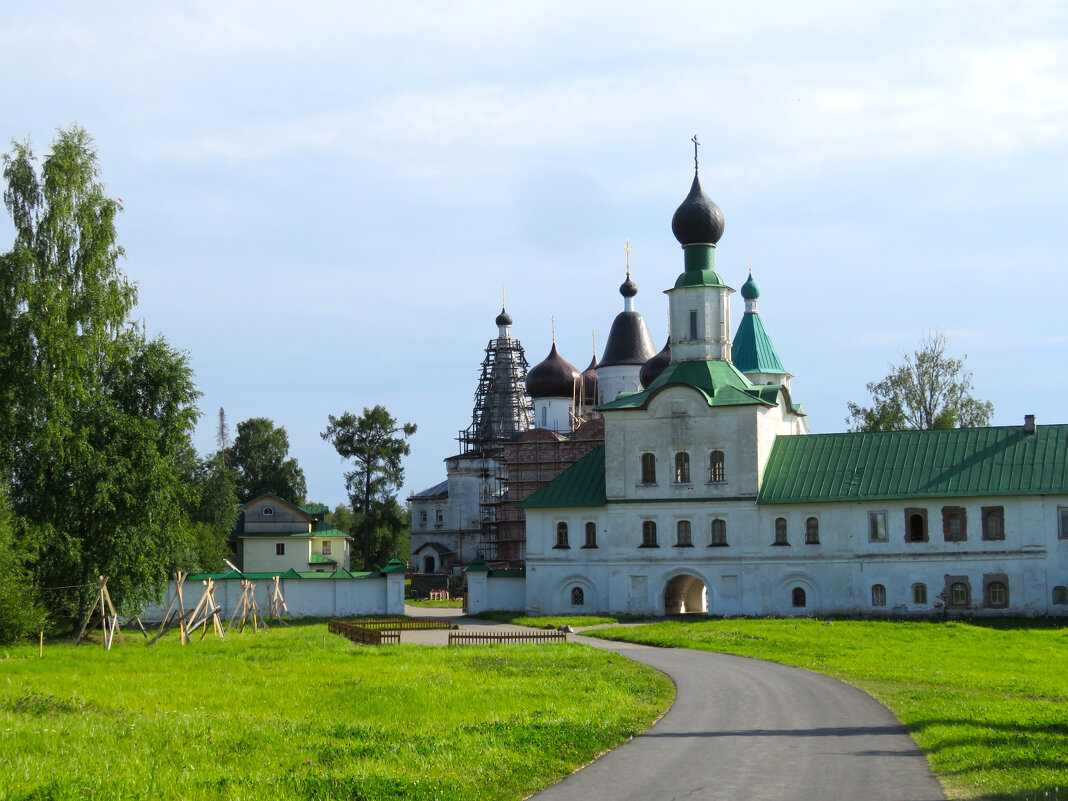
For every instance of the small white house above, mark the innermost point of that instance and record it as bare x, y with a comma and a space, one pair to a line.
273, 535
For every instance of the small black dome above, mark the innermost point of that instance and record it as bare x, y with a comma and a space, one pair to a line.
655, 366
697, 220
504, 318
589, 383
628, 288
553, 378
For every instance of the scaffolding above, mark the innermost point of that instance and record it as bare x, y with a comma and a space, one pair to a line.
503, 409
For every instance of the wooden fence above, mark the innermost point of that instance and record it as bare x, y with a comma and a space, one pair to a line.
377, 632
483, 638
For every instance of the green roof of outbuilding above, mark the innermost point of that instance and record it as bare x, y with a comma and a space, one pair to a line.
720, 382
752, 351
956, 462
582, 484
323, 529
319, 559
315, 509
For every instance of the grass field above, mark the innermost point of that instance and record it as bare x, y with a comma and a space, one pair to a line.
452, 603
297, 713
987, 702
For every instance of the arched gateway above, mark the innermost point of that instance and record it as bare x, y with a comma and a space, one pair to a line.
685, 594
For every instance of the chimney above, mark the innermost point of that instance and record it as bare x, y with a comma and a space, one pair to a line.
1029, 424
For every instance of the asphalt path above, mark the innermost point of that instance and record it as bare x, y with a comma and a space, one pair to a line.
744, 730
747, 730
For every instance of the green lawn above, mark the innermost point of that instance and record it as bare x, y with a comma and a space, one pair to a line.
297, 713
988, 702
452, 603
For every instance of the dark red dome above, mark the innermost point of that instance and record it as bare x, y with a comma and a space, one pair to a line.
655, 366
553, 378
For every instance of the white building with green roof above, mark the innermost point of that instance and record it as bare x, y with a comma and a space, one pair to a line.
710, 495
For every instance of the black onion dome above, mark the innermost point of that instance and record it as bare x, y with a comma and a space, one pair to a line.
655, 366
589, 383
504, 318
553, 378
628, 342
697, 220
628, 288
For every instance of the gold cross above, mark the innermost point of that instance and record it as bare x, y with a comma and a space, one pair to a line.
695, 144
626, 247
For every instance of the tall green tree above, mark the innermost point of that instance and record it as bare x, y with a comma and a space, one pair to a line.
21, 613
376, 443
261, 461
94, 416
931, 389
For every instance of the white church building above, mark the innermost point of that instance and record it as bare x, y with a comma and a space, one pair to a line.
709, 495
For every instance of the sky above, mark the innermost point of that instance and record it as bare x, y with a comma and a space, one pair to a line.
323, 201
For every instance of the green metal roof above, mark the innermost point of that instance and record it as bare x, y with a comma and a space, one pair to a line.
315, 509
752, 351
323, 529
582, 484
437, 546
720, 382
890, 465
319, 559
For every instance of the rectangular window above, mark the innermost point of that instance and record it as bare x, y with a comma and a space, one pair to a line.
326, 547
1062, 532
422, 516
439, 516
693, 325
648, 468
877, 526
993, 522
683, 534
954, 523
996, 590
279, 549
649, 534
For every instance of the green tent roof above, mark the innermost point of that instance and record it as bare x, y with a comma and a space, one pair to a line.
891, 465
582, 484
752, 351
720, 382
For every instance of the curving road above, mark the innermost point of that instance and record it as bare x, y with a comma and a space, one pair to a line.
746, 730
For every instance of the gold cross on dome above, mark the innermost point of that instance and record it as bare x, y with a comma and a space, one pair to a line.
626, 247
695, 144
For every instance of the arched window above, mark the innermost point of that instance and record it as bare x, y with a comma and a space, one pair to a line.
428, 564
561, 535
997, 594
717, 472
919, 593
649, 534
578, 597
958, 593
798, 597
1060, 596
683, 537
591, 535
993, 522
268, 511
954, 524
719, 532
812, 531
878, 595
682, 468
780, 531
648, 468
917, 527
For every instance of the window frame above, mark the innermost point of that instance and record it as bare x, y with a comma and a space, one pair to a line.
798, 593
874, 535
782, 532
878, 595
717, 467
919, 589
682, 541
279, 549
1060, 595
649, 534
693, 319
812, 531
591, 534
647, 469
267, 511
1062, 522
324, 548
958, 581
996, 583
993, 513
682, 467
916, 511
578, 596
948, 515
562, 542
718, 540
